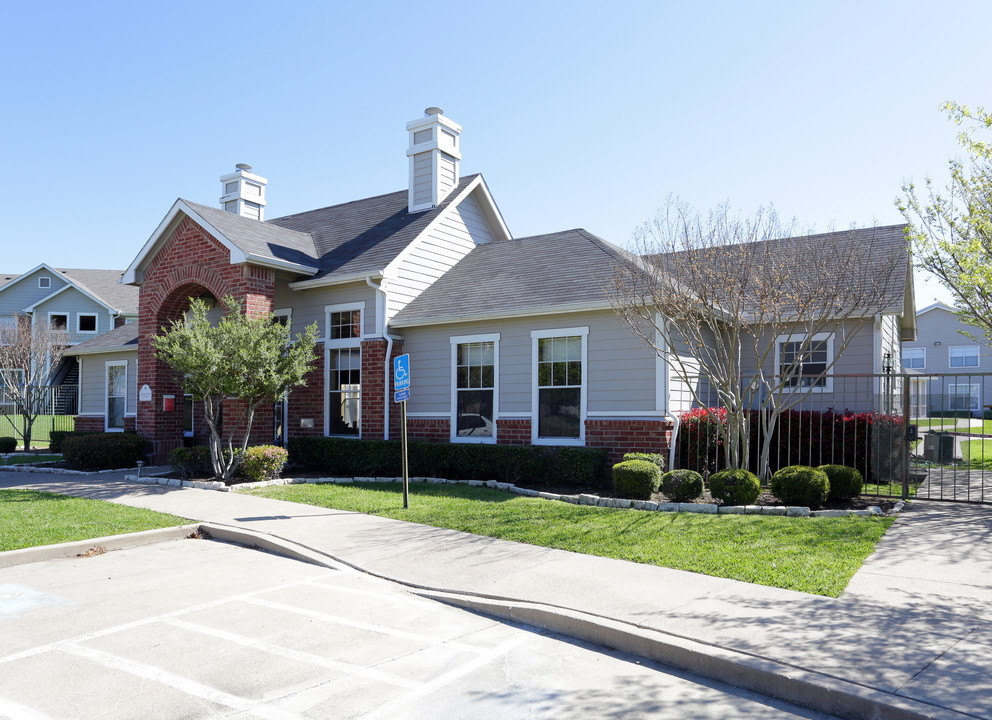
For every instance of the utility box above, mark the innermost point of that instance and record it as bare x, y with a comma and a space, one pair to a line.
938, 447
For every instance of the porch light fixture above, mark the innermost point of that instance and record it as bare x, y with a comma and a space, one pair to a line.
887, 363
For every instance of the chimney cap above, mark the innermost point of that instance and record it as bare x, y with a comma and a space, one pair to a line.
433, 111
243, 166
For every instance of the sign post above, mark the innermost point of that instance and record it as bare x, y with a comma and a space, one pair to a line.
401, 388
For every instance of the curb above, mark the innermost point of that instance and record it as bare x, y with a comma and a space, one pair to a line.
10, 558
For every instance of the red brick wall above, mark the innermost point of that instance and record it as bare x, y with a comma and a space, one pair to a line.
88, 423
373, 388
424, 429
623, 436
513, 432
308, 402
189, 263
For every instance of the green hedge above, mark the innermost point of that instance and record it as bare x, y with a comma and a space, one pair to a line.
637, 479
735, 487
801, 485
949, 414
104, 451
8, 444
57, 437
346, 457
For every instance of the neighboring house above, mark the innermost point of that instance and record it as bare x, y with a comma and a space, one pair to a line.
84, 303
941, 348
511, 340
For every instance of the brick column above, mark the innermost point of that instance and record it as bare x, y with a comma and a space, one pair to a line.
373, 388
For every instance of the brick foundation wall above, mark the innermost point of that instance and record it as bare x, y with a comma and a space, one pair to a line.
513, 432
624, 436
424, 429
373, 389
90, 423
307, 402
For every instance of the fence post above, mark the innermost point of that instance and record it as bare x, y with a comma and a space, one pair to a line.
905, 436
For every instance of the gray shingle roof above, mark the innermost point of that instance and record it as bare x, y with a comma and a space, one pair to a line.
364, 236
565, 268
103, 284
124, 337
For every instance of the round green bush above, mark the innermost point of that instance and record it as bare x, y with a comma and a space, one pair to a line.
636, 479
656, 458
8, 444
801, 485
845, 482
682, 485
735, 487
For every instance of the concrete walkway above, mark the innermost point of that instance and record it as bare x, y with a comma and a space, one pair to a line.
910, 638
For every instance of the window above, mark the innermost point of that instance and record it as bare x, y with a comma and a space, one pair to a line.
963, 396
44, 282
474, 395
86, 322
962, 356
343, 369
187, 416
8, 330
58, 321
282, 317
800, 360
914, 358
116, 395
559, 385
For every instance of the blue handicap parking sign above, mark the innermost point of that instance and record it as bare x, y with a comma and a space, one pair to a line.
401, 372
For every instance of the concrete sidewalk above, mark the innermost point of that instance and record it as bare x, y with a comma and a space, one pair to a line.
910, 638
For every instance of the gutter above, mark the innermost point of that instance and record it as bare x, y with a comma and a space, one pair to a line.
387, 369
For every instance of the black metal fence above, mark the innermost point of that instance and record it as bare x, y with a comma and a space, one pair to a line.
55, 407
910, 435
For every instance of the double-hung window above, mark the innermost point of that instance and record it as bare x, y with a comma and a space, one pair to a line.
559, 386
964, 396
343, 369
962, 356
801, 362
914, 358
474, 393
116, 395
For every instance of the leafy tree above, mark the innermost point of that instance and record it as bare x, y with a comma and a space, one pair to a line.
240, 357
951, 230
28, 354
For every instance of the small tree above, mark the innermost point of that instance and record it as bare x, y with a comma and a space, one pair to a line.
711, 296
951, 231
240, 357
29, 352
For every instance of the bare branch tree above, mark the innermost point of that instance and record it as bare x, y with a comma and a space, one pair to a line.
29, 352
713, 297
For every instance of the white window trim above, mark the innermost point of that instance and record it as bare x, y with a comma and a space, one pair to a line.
971, 350
337, 345
96, 323
921, 350
288, 314
64, 314
44, 287
536, 335
972, 386
457, 340
106, 393
828, 379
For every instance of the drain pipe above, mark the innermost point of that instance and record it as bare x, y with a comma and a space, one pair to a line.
388, 368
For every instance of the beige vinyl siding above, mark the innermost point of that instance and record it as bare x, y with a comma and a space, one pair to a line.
25, 293
93, 382
680, 393
308, 305
462, 228
620, 375
891, 342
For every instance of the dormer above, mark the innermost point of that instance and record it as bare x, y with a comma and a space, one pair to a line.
434, 156
243, 193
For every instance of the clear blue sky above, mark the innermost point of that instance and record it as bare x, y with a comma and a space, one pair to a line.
580, 114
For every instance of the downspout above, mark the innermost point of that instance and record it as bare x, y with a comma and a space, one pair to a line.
380, 321
667, 413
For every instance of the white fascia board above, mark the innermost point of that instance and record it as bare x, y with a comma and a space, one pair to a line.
73, 286
936, 306
277, 264
32, 271
149, 249
490, 208
103, 351
328, 280
529, 312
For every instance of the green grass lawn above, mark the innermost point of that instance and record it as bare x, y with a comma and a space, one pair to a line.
977, 453
957, 425
10, 426
29, 518
814, 555
25, 459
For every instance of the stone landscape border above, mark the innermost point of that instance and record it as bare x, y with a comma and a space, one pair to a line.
580, 499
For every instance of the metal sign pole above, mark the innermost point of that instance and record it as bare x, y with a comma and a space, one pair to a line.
406, 466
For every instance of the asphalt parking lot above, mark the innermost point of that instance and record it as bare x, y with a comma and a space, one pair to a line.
203, 629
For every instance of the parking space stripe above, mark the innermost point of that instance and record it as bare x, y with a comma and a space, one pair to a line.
382, 629
190, 687
14, 711
389, 597
392, 708
305, 657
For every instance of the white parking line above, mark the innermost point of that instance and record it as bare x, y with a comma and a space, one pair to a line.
391, 709
389, 597
13, 711
382, 629
305, 657
190, 687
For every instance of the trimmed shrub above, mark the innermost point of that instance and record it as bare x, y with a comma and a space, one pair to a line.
656, 458
104, 451
845, 482
578, 466
263, 462
682, 485
735, 487
8, 444
801, 485
191, 461
57, 437
636, 479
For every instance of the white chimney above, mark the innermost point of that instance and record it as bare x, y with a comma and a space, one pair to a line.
243, 193
434, 157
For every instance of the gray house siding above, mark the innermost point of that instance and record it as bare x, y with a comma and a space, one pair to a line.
308, 305
93, 382
73, 303
24, 292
